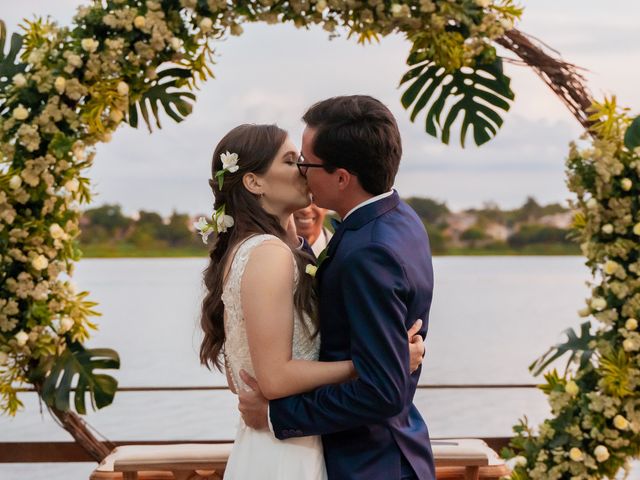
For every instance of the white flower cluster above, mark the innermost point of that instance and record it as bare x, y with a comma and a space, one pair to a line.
596, 409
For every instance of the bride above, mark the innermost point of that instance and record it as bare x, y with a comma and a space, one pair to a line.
259, 311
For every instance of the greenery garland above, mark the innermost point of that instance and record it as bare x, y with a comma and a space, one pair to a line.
595, 425
64, 90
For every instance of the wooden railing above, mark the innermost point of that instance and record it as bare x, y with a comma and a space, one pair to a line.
57, 452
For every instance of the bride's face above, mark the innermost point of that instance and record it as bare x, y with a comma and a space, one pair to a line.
285, 190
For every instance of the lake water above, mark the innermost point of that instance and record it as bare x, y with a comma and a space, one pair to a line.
491, 317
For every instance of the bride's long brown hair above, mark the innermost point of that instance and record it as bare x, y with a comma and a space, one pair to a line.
256, 146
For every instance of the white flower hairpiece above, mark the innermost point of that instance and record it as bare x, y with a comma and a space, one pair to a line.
221, 222
229, 164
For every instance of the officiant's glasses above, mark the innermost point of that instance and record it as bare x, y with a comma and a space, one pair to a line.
303, 166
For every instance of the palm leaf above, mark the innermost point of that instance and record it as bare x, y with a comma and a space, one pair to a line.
176, 103
475, 93
632, 135
78, 362
8, 65
577, 345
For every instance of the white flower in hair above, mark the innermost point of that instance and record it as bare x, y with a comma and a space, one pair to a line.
229, 162
224, 222
204, 228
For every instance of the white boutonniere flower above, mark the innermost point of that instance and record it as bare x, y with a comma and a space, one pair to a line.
311, 269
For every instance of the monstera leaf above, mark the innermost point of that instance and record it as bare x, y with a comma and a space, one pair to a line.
175, 103
632, 135
8, 65
477, 93
577, 345
78, 362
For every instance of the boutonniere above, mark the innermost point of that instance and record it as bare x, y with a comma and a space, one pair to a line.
311, 270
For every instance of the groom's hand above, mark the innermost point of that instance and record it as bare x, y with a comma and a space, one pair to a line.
416, 346
252, 404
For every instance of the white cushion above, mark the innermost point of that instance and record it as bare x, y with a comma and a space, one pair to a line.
182, 453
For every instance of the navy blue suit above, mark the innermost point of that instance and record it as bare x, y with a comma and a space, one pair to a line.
376, 281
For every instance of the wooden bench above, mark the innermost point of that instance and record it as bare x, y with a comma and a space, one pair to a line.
455, 459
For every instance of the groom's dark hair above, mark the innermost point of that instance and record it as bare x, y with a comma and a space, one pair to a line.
360, 134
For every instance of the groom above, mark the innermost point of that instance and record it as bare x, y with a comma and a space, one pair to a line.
375, 281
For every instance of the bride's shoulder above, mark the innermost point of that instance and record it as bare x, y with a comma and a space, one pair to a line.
268, 244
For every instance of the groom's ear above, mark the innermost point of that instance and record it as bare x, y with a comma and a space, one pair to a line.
344, 178
252, 183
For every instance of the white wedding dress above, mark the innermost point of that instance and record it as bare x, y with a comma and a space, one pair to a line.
257, 454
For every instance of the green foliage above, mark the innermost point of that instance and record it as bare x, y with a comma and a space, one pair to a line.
9, 66
577, 345
632, 135
78, 363
538, 234
477, 93
174, 102
428, 209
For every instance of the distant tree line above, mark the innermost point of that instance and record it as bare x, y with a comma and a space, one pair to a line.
531, 228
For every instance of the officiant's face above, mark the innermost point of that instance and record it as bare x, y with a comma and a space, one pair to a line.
285, 190
321, 183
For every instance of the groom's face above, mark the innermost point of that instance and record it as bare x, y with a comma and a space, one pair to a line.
322, 184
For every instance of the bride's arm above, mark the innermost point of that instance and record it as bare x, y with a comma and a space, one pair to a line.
267, 304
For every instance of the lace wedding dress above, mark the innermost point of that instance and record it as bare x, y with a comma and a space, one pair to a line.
257, 454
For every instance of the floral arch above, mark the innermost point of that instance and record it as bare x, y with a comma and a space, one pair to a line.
63, 90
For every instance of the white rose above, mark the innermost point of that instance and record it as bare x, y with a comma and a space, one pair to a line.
89, 45
21, 337
610, 267
139, 22
20, 113
65, 324
620, 422
123, 89
40, 262
601, 453
56, 231
608, 229
59, 84
592, 203
206, 24
626, 184
116, 115
631, 324
572, 388
4, 358
175, 43
598, 304
576, 454
19, 80
321, 5
636, 229
483, 3
72, 185
15, 182
629, 345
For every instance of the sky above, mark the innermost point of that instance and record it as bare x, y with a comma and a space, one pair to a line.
271, 74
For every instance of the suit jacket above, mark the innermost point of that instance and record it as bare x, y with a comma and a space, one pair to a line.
376, 281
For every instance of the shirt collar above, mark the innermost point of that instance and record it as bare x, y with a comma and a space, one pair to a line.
367, 202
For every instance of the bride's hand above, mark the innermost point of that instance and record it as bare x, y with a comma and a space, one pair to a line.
416, 346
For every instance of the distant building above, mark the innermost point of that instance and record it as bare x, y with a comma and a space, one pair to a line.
562, 220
